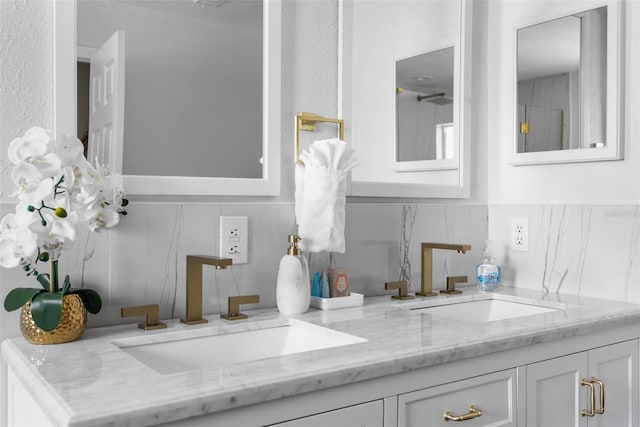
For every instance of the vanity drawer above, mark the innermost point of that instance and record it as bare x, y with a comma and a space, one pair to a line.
493, 394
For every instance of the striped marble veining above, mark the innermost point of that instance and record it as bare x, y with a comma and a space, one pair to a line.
587, 250
107, 386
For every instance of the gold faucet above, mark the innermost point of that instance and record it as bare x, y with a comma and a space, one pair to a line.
426, 287
194, 284
233, 312
150, 311
451, 284
402, 287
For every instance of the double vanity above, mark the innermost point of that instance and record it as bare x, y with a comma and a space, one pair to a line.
513, 357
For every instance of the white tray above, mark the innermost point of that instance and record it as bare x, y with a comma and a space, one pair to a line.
353, 300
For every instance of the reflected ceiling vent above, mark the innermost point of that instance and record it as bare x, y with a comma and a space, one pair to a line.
211, 3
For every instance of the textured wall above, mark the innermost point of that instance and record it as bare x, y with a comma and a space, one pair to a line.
143, 260
26, 72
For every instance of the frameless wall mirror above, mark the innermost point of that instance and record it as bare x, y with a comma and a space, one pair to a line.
196, 86
567, 74
402, 100
424, 111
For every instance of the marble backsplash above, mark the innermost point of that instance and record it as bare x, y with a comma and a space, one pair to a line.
584, 250
142, 261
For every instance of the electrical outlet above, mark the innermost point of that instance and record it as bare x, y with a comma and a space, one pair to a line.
234, 233
520, 234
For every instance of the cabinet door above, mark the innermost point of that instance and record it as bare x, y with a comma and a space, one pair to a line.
617, 366
553, 392
492, 394
366, 414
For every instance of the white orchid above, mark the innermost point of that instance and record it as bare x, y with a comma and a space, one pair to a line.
58, 189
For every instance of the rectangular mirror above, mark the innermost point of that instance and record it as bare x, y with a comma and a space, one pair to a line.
201, 91
405, 73
568, 100
425, 128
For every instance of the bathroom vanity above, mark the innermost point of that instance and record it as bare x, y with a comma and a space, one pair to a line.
513, 357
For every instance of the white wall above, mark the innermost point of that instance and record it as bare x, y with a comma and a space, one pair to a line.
583, 217
142, 261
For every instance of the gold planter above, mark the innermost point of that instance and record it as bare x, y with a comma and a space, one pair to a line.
70, 328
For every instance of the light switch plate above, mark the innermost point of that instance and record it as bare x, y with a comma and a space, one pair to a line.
234, 233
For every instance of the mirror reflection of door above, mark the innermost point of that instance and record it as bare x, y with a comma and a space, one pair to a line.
105, 121
424, 106
561, 70
194, 83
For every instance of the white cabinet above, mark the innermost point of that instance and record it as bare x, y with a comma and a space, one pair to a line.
558, 391
487, 400
22, 409
364, 415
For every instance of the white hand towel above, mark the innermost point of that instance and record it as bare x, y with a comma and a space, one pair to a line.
321, 195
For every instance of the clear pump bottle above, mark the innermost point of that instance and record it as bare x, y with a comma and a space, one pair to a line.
293, 289
489, 272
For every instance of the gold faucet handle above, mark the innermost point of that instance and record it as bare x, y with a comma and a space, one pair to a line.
152, 313
451, 284
234, 306
402, 287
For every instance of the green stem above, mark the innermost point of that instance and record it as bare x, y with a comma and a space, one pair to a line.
53, 276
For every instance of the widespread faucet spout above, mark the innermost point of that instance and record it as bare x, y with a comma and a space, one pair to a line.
194, 285
426, 285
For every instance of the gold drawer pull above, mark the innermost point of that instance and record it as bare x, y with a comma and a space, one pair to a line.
601, 384
473, 413
592, 399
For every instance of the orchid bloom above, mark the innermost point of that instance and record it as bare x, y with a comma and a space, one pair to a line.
57, 189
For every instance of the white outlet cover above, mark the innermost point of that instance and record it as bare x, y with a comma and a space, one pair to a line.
234, 233
520, 234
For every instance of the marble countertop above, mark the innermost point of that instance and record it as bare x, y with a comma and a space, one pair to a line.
93, 382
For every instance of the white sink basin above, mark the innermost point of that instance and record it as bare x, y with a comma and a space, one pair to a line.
488, 310
208, 347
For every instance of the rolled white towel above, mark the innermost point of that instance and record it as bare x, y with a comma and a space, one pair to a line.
321, 197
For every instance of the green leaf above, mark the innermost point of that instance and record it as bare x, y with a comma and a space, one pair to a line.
90, 298
44, 281
18, 297
46, 310
66, 285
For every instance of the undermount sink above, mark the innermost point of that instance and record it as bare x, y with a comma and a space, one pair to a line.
207, 347
486, 310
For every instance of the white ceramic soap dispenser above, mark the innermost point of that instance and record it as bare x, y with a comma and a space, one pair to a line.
293, 289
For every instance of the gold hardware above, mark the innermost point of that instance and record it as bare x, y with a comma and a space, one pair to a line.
601, 384
151, 311
399, 89
451, 284
307, 121
293, 241
592, 399
473, 413
524, 128
194, 284
402, 288
426, 287
233, 313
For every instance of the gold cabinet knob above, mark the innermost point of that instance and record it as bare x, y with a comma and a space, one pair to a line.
150, 311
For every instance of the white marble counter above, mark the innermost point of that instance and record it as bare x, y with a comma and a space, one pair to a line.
93, 382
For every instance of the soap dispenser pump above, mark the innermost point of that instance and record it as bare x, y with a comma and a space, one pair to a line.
293, 293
